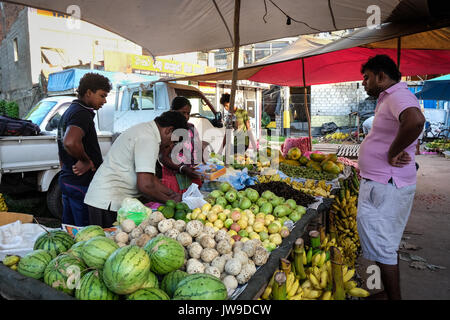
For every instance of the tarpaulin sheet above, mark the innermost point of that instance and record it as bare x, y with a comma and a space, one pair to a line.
69, 79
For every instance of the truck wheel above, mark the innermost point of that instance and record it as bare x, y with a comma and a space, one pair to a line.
54, 199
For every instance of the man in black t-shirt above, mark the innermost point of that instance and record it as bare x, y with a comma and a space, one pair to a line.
79, 150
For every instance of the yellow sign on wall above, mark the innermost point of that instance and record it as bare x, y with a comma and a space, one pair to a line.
125, 62
140, 62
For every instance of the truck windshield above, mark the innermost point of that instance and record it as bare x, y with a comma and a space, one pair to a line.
38, 113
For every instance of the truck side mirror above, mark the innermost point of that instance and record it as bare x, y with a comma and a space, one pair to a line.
218, 120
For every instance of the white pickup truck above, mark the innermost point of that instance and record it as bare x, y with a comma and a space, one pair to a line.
32, 163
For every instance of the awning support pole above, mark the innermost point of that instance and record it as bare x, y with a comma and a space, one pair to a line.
237, 8
305, 95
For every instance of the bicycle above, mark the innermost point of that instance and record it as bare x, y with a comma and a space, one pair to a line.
435, 130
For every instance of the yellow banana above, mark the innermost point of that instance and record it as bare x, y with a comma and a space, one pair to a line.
13, 267
312, 294
316, 272
358, 292
324, 242
10, 260
300, 289
294, 288
323, 257
306, 284
296, 297
267, 292
314, 281
315, 259
289, 281
323, 279
344, 268
349, 285
350, 273
305, 259
326, 295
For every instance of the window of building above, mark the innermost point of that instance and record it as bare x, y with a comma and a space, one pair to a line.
16, 50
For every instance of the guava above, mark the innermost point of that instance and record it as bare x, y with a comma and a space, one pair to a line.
290, 202
266, 208
252, 194
225, 187
267, 195
231, 195
261, 201
254, 208
222, 201
245, 203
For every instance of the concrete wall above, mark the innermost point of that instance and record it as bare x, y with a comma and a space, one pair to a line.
334, 102
15, 82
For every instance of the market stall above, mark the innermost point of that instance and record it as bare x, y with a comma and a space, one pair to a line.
230, 235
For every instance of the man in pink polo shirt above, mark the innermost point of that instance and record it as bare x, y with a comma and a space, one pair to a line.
386, 161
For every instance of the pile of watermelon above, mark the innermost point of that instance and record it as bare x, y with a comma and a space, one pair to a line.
92, 266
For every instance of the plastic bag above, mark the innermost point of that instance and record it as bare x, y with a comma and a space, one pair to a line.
193, 197
240, 180
133, 209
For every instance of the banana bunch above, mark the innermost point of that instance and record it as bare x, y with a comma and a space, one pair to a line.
311, 187
344, 211
3, 206
268, 178
307, 276
11, 261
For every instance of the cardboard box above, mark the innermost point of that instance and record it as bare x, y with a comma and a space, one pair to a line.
211, 171
10, 217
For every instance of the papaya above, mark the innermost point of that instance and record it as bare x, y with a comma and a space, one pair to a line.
329, 157
331, 167
303, 160
294, 153
316, 167
340, 165
291, 162
318, 157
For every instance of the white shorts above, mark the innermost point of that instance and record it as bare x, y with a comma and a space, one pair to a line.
383, 211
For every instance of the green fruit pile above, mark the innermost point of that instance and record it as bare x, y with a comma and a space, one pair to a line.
306, 172
177, 211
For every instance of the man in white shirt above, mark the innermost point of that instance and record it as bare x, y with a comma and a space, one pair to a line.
128, 170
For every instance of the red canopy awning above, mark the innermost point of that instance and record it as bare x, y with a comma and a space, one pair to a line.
424, 49
345, 65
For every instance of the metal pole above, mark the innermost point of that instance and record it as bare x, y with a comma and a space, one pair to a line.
306, 104
237, 8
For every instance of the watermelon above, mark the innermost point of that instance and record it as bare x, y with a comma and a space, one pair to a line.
166, 254
126, 269
170, 281
76, 249
148, 294
96, 250
55, 242
89, 232
64, 272
92, 287
151, 282
200, 286
34, 263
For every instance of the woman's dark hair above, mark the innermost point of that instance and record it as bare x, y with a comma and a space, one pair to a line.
94, 82
179, 103
172, 119
382, 63
225, 98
